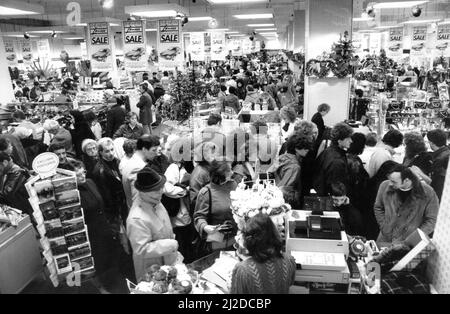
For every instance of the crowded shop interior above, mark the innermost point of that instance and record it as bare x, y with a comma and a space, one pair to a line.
224, 147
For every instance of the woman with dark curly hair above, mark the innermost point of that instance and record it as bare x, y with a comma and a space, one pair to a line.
267, 270
416, 154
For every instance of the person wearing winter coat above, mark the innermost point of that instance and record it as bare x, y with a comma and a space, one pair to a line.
148, 225
252, 95
60, 136
114, 119
80, 132
231, 100
241, 93
441, 154
145, 108
131, 130
288, 168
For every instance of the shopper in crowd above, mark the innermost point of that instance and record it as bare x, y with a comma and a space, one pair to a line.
145, 78
65, 162
384, 150
60, 135
231, 100
90, 155
204, 155
288, 118
161, 162
158, 91
148, 225
92, 121
145, 108
322, 110
371, 143
272, 89
351, 216
266, 97
252, 95
36, 92
441, 154
288, 168
147, 148
267, 270
212, 215
20, 118
107, 177
213, 133
165, 80
288, 80
176, 199
238, 147
105, 248
231, 82
81, 131
241, 92
417, 156
11, 145
360, 107
115, 118
131, 129
332, 164
12, 185
403, 204
359, 178
262, 148
285, 97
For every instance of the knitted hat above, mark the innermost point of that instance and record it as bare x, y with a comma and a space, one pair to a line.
85, 143
148, 180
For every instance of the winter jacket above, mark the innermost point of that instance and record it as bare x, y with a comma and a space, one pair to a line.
176, 174
231, 101
253, 97
439, 169
129, 169
126, 131
64, 137
19, 155
79, 134
318, 120
424, 161
271, 103
115, 118
381, 154
151, 237
241, 91
159, 92
145, 109
12, 188
331, 167
287, 177
199, 178
398, 220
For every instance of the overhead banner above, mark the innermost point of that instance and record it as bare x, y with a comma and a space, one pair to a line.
236, 47
375, 43
418, 41
27, 52
134, 45
257, 46
443, 40
11, 55
170, 45
395, 43
43, 48
218, 50
100, 47
197, 46
247, 46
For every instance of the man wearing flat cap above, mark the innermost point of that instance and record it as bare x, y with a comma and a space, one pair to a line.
148, 224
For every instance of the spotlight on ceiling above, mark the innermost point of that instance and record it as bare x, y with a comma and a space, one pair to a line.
416, 11
252, 38
212, 23
184, 20
26, 35
106, 4
54, 34
370, 11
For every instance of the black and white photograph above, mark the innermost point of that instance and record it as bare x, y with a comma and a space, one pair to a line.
70, 213
64, 184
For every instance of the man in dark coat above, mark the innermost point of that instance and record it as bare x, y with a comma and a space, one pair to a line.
441, 153
317, 118
114, 119
12, 145
145, 108
332, 165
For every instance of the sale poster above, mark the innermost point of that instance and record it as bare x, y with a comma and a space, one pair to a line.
257, 46
375, 43
169, 44
395, 43
247, 46
100, 47
27, 52
236, 47
197, 46
443, 40
218, 50
43, 48
418, 41
134, 45
11, 55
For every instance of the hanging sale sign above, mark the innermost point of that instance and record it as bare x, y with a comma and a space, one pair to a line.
247, 46
418, 41
197, 46
27, 52
395, 42
218, 51
100, 47
443, 40
375, 43
11, 55
134, 45
43, 48
257, 46
170, 45
236, 47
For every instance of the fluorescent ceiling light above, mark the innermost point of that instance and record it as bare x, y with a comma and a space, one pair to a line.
73, 38
268, 33
398, 5
114, 24
421, 21
254, 16
199, 18
46, 32
216, 29
363, 19
151, 30
232, 32
19, 36
81, 24
157, 10
386, 26
233, 1
9, 7
265, 29
260, 25
444, 22
163, 13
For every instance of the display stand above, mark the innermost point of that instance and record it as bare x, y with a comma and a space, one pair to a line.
55, 200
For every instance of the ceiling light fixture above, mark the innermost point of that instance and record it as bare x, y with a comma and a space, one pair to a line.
398, 5
416, 11
13, 7
265, 29
253, 16
260, 25
233, 1
54, 34
157, 10
106, 4
199, 18
232, 32
213, 23
73, 38
26, 35
217, 29
362, 19
151, 30
421, 21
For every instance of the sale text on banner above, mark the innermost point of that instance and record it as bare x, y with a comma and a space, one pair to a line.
170, 44
197, 46
419, 41
100, 47
11, 55
395, 42
134, 45
443, 40
218, 49
27, 52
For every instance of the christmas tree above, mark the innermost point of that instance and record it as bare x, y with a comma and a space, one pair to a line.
342, 55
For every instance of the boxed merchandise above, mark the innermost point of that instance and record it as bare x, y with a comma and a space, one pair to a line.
66, 198
72, 226
58, 245
80, 251
71, 212
49, 211
53, 228
76, 239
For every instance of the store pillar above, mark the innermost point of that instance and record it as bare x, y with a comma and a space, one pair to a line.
7, 94
325, 21
299, 30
